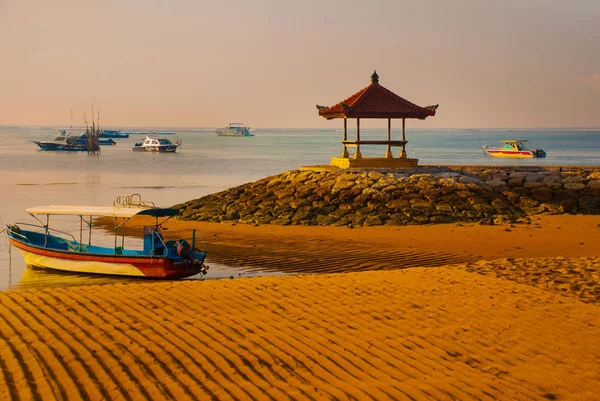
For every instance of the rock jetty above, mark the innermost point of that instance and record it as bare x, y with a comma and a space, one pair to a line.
424, 195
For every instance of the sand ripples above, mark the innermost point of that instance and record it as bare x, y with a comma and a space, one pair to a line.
416, 334
329, 256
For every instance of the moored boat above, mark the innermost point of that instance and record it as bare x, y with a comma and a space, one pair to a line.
157, 259
113, 133
156, 144
83, 140
62, 142
513, 148
234, 129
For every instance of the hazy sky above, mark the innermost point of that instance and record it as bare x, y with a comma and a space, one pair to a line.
195, 63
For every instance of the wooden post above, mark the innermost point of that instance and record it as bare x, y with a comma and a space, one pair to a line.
403, 154
345, 152
388, 154
358, 155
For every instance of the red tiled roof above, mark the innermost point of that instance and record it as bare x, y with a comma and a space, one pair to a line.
375, 101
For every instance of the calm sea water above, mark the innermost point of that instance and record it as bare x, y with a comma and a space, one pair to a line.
206, 164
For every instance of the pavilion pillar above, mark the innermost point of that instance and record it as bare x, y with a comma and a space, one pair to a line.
403, 153
345, 152
388, 154
358, 155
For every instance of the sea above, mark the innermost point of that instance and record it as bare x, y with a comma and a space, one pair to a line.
206, 163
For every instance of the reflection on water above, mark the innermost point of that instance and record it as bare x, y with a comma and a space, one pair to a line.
37, 278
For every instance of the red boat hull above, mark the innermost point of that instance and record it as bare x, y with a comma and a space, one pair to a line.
125, 265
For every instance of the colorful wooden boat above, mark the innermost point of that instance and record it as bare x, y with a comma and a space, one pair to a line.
157, 259
513, 148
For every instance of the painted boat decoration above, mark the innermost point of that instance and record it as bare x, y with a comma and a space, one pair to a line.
43, 247
234, 129
156, 144
513, 148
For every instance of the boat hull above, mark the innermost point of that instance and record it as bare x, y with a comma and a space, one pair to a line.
120, 265
511, 154
49, 146
156, 149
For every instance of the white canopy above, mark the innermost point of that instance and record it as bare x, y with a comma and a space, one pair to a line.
108, 211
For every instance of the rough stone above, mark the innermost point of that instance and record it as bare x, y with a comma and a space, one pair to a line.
416, 196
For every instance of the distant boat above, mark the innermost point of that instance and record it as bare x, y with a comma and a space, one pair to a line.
113, 133
513, 148
234, 129
82, 140
63, 142
156, 144
150, 133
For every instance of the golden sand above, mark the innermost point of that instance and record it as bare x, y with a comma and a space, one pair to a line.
506, 322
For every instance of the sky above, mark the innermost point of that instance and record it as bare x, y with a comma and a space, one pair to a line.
197, 63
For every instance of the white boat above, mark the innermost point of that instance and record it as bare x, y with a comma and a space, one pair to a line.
235, 129
156, 144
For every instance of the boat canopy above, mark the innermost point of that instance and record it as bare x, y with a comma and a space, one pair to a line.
514, 140
106, 211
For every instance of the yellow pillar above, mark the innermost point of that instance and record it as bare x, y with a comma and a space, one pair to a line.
358, 155
403, 153
345, 152
388, 154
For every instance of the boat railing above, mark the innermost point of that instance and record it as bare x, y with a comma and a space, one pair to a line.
159, 236
133, 200
11, 229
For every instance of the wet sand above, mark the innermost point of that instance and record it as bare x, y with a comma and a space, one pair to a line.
503, 315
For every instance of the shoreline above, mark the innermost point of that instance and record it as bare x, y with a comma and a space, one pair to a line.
489, 327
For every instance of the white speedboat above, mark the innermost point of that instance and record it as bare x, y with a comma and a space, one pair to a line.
234, 129
156, 144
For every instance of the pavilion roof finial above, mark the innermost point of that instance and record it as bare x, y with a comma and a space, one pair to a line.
374, 77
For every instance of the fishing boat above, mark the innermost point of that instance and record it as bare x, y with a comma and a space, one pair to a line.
62, 142
65, 142
113, 133
156, 144
83, 140
234, 129
513, 148
48, 248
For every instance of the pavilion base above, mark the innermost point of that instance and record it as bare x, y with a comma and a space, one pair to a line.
373, 162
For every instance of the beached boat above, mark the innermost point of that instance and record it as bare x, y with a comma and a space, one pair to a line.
156, 144
113, 133
62, 142
513, 148
157, 259
234, 129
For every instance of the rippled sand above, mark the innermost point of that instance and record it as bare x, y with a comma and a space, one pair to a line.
491, 326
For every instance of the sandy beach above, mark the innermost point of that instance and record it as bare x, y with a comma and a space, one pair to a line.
483, 312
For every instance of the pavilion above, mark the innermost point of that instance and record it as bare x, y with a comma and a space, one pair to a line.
375, 101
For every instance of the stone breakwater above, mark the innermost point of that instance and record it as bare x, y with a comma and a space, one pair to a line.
423, 195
